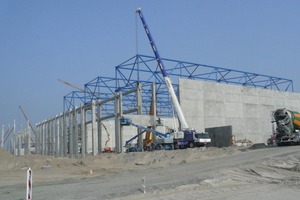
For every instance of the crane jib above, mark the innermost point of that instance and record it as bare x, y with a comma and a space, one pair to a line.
153, 46
164, 73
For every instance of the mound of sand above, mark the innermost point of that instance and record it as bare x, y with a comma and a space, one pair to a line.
47, 168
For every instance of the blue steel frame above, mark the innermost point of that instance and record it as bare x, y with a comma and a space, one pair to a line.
144, 69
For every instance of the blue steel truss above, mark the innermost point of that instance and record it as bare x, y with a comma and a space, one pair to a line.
144, 69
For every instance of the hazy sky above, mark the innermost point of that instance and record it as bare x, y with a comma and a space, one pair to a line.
41, 41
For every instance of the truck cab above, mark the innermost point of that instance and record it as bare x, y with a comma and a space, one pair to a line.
202, 139
196, 139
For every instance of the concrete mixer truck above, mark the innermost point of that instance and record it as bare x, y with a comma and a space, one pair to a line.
287, 127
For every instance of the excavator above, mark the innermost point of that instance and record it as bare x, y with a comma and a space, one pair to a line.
287, 127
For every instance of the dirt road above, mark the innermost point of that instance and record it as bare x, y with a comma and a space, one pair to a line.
269, 173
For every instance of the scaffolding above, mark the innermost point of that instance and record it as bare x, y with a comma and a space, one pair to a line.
144, 69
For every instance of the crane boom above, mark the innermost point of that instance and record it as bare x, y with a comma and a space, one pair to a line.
27, 120
167, 79
71, 85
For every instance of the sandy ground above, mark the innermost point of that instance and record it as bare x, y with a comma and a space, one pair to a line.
199, 173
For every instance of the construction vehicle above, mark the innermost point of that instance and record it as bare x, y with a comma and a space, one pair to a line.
107, 148
287, 127
162, 141
186, 137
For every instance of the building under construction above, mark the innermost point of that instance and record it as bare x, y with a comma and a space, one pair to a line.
210, 98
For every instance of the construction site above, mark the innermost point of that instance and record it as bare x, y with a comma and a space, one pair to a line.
156, 118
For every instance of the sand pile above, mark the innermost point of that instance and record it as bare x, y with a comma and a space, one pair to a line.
47, 168
111, 160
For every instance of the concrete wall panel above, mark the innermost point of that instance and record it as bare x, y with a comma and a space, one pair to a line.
247, 110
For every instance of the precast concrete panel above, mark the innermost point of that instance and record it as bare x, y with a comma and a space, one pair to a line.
234, 98
214, 108
190, 94
211, 122
231, 108
213, 96
250, 111
193, 111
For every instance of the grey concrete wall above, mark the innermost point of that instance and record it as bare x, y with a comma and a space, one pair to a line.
247, 110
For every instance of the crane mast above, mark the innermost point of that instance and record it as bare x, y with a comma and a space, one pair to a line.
167, 79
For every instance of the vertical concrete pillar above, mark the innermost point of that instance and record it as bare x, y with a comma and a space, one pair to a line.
48, 137
120, 116
65, 132
71, 125
82, 132
14, 139
36, 137
99, 123
57, 136
19, 143
75, 120
154, 104
48, 144
43, 138
53, 133
61, 135
28, 140
94, 129
51, 137
139, 112
117, 123
6, 138
39, 142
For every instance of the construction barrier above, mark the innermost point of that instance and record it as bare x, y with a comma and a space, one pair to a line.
29, 185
